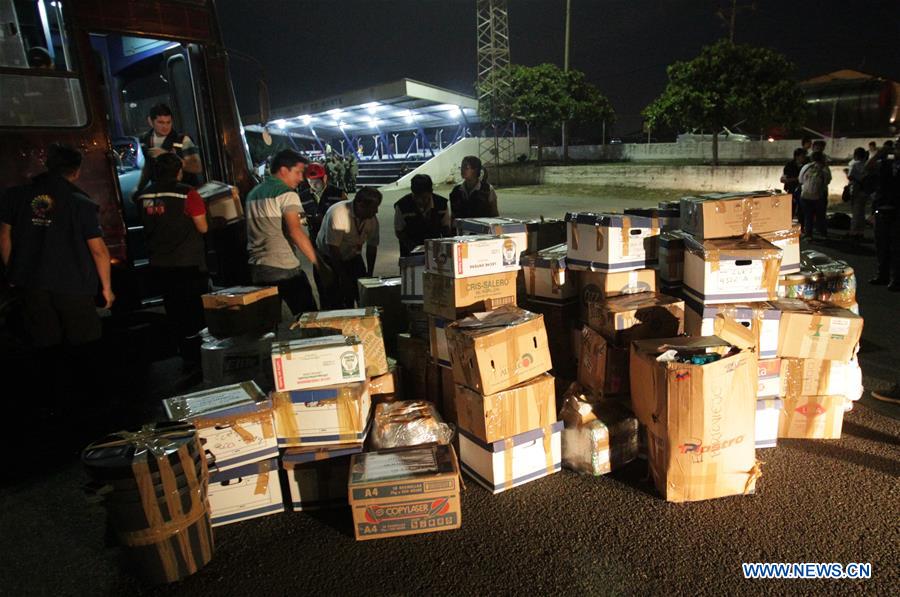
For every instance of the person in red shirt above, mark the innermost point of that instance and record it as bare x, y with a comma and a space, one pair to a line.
174, 218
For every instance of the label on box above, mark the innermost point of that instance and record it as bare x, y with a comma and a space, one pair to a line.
838, 326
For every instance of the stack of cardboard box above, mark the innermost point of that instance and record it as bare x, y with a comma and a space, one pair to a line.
505, 400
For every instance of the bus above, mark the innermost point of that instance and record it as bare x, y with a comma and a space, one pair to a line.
86, 73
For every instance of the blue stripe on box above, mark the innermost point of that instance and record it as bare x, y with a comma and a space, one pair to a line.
767, 443
522, 438
502, 486
248, 458
754, 297
332, 453
317, 439
317, 395
251, 468
583, 264
444, 363
238, 516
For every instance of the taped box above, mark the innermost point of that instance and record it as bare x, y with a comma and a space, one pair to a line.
768, 414
769, 378
596, 287
317, 362
623, 319
234, 422
731, 270
671, 258
747, 325
507, 463
724, 215
493, 351
700, 418
610, 242
509, 227
233, 360
241, 310
223, 202
466, 256
412, 268
598, 437
546, 278
384, 293
527, 406
363, 323
811, 417
817, 377
437, 335
321, 416
248, 491
407, 423
452, 298
316, 477
388, 384
668, 217
406, 492
602, 367
789, 242
815, 330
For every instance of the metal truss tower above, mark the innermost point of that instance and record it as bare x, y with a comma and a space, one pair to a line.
493, 86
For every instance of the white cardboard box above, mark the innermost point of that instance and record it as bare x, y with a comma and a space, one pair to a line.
546, 278
731, 270
769, 378
610, 242
768, 411
498, 466
246, 492
317, 478
815, 377
412, 272
762, 319
478, 255
236, 359
789, 242
235, 422
515, 229
322, 416
317, 362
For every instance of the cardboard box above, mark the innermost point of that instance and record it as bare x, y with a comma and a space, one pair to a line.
596, 287
816, 377
598, 438
668, 217
316, 478
509, 227
448, 395
768, 413
418, 321
559, 319
408, 423
405, 492
322, 416
242, 310
527, 406
671, 258
724, 215
700, 418
731, 270
610, 242
811, 417
814, 330
513, 461
545, 276
388, 383
317, 362
385, 293
234, 422
412, 356
363, 323
248, 491
452, 298
769, 378
602, 367
438, 347
223, 202
493, 351
623, 319
789, 243
466, 256
412, 268
748, 325
233, 360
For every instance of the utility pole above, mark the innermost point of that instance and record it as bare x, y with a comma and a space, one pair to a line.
565, 124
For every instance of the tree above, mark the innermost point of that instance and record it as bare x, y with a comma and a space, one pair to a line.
729, 83
544, 96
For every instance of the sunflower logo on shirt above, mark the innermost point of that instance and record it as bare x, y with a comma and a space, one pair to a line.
41, 210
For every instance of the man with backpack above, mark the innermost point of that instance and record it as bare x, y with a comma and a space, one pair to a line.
814, 180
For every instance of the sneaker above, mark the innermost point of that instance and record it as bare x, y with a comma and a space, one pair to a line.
891, 394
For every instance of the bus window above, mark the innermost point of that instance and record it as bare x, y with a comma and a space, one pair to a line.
37, 70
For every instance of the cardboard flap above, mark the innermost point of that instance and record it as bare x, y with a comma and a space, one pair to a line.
752, 247
502, 317
661, 345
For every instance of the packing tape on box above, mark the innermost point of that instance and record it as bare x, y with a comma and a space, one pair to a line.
508, 446
556, 281
262, 478
548, 448
747, 215
626, 234
793, 372
812, 426
727, 326
574, 228
771, 271
348, 407
598, 238
263, 417
285, 420
532, 282
812, 344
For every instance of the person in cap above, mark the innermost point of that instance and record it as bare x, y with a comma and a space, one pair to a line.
420, 215
474, 197
316, 196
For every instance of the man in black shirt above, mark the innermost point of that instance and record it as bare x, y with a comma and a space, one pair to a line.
791, 178
887, 218
420, 215
317, 196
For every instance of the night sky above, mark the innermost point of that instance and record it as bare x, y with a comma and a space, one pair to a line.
316, 48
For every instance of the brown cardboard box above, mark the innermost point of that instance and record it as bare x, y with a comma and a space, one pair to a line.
242, 310
451, 298
448, 395
499, 349
623, 319
723, 215
437, 340
602, 367
384, 293
388, 383
404, 492
595, 287
412, 355
814, 330
418, 321
700, 418
559, 321
816, 377
599, 437
527, 406
812, 417
363, 323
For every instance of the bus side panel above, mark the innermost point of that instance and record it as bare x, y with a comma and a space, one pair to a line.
188, 20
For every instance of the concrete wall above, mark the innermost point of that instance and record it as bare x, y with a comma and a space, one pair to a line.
729, 151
